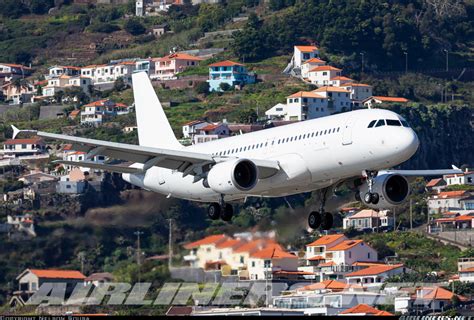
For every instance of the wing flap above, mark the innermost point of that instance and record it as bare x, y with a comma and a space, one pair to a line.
424, 173
105, 167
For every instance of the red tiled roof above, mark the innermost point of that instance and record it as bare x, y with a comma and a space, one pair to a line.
226, 63
433, 182
390, 99
331, 89
307, 48
316, 258
365, 309
342, 78
24, 141
374, 270
306, 94
230, 243
179, 56
345, 245
58, 274
467, 270
436, 293
190, 123
328, 284
273, 253
214, 239
258, 244
325, 68
451, 194
327, 264
314, 60
210, 127
15, 65
326, 240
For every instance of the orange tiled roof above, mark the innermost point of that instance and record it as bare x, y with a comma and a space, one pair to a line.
374, 270
314, 60
342, 78
258, 244
366, 310
306, 94
433, 182
230, 243
273, 253
327, 284
451, 194
179, 56
345, 245
331, 89
36, 140
307, 48
210, 127
97, 103
327, 264
326, 240
58, 274
214, 239
16, 65
467, 270
390, 99
325, 68
316, 258
355, 85
226, 63
436, 293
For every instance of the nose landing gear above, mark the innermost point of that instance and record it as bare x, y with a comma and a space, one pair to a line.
370, 196
321, 218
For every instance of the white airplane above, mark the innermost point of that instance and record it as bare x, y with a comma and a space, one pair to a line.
317, 154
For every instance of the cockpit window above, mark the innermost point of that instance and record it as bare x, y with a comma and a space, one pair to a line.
395, 123
405, 124
380, 123
371, 124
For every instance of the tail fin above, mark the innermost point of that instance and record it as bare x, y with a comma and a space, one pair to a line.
154, 130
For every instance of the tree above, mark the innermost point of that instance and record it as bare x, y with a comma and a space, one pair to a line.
134, 27
202, 88
12, 8
119, 84
41, 6
225, 86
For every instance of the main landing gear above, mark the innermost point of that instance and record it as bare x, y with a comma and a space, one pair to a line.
221, 210
370, 196
321, 218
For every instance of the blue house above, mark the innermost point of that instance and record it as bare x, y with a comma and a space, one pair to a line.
232, 73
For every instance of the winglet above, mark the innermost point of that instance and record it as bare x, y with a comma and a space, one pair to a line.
456, 168
16, 131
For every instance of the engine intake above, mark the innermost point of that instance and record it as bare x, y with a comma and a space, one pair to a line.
393, 189
233, 176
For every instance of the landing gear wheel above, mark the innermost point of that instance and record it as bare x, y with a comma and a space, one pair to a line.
227, 213
214, 211
368, 197
375, 198
314, 220
327, 221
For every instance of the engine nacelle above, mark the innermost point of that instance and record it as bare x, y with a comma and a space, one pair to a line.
393, 190
232, 177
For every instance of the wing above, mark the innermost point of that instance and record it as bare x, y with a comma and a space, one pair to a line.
424, 173
187, 162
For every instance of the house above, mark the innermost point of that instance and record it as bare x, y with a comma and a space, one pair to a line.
204, 251
30, 280
339, 99
369, 219
265, 263
322, 75
340, 81
348, 252
190, 128
109, 73
11, 71
436, 185
168, 67
370, 102
310, 64
328, 303
306, 105
99, 279
63, 82
465, 178
328, 285
74, 114
37, 177
18, 93
232, 73
359, 92
212, 131
446, 201
278, 111
304, 53
97, 112
364, 310
23, 147
375, 274
241, 128
57, 71
24, 224
433, 299
319, 247
160, 29
466, 275
465, 221
79, 156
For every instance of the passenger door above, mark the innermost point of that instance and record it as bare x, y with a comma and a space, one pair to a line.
347, 131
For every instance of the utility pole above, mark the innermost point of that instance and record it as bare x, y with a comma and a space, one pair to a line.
362, 66
82, 256
138, 233
406, 61
411, 214
447, 59
170, 246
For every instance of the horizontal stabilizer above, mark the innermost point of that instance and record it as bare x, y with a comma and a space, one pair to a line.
100, 166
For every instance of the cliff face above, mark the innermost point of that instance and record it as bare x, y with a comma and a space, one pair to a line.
446, 135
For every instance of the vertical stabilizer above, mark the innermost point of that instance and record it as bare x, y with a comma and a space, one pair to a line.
154, 130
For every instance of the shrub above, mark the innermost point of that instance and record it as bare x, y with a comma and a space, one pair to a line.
202, 88
134, 27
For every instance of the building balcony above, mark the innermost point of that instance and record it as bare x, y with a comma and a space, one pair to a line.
190, 257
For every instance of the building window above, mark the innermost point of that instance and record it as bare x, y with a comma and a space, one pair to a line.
253, 264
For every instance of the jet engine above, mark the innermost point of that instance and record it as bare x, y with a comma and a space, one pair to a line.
388, 190
232, 177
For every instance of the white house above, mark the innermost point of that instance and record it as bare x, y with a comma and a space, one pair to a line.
212, 131
57, 71
310, 64
359, 92
350, 251
369, 219
278, 111
465, 178
304, 53
322, 75
204, 251
321, 245
446, 201
63, 82
466, 275
339, 99
339, 81
23, 147
433, 299
190, 128
305, 105
375, 275
264, 263
95, 113
168, 67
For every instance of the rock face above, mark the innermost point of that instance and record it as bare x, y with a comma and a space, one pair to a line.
446, 136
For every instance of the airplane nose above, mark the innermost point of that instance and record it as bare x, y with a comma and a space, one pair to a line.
409, 141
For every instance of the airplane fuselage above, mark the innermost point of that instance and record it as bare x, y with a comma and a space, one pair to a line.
313, 154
